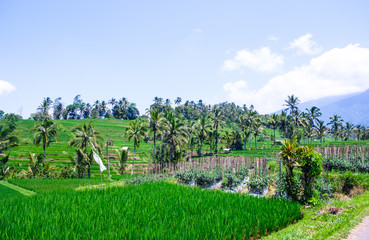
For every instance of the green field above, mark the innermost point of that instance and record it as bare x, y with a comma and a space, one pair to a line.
108, 128
7, 193
148, 211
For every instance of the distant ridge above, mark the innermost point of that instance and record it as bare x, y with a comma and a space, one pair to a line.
353, 108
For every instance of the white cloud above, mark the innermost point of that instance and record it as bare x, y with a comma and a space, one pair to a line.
6, 87
305, 45
273, 38
260, 60
197, 30
336, 72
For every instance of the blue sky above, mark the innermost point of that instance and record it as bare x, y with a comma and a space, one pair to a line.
249, 52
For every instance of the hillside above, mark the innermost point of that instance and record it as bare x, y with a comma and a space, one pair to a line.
108, 128
352, 108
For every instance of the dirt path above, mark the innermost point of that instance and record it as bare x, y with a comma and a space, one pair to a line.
361, 231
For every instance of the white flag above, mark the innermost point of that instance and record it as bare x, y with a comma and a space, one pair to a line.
98, 160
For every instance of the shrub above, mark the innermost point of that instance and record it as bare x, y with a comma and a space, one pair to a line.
258, 184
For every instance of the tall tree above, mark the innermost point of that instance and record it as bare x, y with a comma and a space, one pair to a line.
8, 138
320, 129
291, 104
257, 129
217, 117
85, 137
45, 132
273, 122
243, 123
155, 121
45, 107
174, 133
58, 108
336, 122
203, 127
135, 132
178, 101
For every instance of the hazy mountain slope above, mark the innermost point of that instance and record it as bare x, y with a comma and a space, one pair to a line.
352, 108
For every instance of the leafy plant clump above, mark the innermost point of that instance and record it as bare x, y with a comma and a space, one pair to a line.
258, 184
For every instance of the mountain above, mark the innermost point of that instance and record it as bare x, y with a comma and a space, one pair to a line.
353, 108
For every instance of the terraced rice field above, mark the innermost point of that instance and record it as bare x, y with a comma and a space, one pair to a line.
148, 211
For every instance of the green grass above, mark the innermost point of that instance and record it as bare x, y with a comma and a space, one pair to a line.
7, 193
148, 211
325, 225
22, 191
54, 185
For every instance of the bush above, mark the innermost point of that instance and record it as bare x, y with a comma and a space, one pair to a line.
258, 184
230, 181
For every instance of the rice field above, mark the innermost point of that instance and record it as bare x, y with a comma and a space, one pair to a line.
7, 194
147, 211
53, 185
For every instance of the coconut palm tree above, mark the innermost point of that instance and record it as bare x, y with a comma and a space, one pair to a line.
203, 126
7, 138
347, 131
135, 132
273, 122
35, 163
336, 122
79, 161
313, 113
217, 117
257, 129
320, 129
174, 133
45, 132
178, 101
291, 104
251, 117
359, 131
155, 121
85, 137
191, 130
245, 129
45, 107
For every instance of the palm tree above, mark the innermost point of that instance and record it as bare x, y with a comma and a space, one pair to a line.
155, 121
359, 131
203, 127
85, 136
79, 161
320, 129
35, 163
178, 101
257, 129
273, 122
251, 117
174, 133
245, 128
135, 132
7, 139
122, 156
191, 130
336, 122
313, 113
217, 117
347, 130
45, 107
291, 104
45, 132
